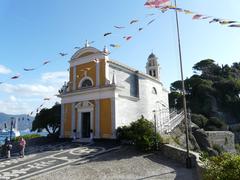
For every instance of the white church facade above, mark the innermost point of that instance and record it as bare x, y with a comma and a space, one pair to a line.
103, 94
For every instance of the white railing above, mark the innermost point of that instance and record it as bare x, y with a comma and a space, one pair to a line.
175, 120
166, 121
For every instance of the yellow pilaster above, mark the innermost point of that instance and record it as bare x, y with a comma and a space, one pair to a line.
105, 118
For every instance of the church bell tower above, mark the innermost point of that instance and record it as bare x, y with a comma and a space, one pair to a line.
152, 66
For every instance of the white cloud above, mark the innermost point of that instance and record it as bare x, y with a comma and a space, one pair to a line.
4, 70
29, 89
18, 105
25, 98
13, 105
13, 98
55, 77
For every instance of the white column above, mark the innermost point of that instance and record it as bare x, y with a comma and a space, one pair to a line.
97, 74
79, 131
74, 78
62, 121
107, 79
113, 112
91, 120
97, 119
73, 119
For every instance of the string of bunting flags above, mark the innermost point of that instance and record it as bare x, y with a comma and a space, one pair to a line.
165, 5
162, 5
27, 69
62, 54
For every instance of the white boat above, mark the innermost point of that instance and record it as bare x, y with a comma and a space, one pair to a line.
7, 132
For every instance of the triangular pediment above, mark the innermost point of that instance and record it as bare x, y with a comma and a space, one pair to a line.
86, 51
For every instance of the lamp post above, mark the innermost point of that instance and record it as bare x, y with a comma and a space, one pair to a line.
188, 159
155, 130
11, 128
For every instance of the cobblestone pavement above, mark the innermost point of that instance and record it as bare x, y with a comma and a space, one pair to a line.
58, 156
123, 164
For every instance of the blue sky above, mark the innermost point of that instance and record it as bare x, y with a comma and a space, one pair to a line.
34, 31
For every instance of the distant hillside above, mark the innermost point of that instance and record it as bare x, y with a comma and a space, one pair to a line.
23, 121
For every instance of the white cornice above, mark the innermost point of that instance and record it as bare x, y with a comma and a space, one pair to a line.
84, 50
89, 94
132, 70
86, 59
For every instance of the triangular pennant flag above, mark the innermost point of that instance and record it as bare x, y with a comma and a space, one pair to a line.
197, 16
63, 54
156, 3
150, 22
234, 25
127, 37
214, 20
106, 34
164, 9
15, 77
29, 69
227, 22
115, 45
188, 12
119, 27
206, 17
46, 62
134, 21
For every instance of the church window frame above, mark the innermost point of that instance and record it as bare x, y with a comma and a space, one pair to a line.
85, 80
154, 73
154, 90
150, 72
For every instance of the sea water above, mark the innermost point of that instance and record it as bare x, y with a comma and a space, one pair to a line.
22, 133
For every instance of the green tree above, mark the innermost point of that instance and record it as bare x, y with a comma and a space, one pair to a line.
208, 68
49, 119
199, 120
213, 92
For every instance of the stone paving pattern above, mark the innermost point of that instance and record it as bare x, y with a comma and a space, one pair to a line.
123, 164
60, 155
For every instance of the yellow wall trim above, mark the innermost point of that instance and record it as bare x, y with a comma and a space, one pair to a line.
105, 118
67, 119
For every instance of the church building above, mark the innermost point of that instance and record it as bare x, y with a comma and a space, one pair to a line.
103, 94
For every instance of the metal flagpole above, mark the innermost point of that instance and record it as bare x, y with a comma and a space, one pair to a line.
188, 159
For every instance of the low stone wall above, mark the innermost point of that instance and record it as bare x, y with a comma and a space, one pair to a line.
224, 139
179, 154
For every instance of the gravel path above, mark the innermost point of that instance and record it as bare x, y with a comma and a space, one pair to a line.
124, 164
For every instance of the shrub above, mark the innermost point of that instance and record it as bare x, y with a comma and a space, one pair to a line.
225, 166
204, 155
166, 139
216, 124
176, 140
141, 133
218, 148
27, 136
237, 147
124, 133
